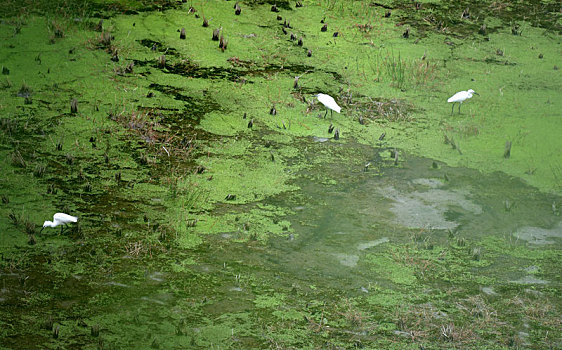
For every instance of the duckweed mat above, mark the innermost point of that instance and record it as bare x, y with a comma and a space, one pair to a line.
221, 207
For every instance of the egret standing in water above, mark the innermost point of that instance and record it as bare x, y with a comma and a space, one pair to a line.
460, 97
328, 102
59, 219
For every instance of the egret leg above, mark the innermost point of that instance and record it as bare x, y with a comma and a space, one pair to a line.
460, 107
452, 108
325, 114
61, 229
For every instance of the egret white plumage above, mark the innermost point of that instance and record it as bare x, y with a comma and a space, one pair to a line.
460, 97
60, 219
328, 102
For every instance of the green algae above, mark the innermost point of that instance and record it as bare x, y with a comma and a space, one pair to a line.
257, 178
189, 189
271, 302
390, 270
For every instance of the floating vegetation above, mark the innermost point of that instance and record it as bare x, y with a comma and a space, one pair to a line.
183, 203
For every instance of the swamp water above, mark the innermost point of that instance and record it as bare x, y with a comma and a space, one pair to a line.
200, 230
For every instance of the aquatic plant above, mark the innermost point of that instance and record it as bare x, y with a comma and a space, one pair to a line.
17, 159
56, 30
23, 223
39, 170
6, 84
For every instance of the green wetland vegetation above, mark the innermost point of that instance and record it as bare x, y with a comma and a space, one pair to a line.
217, 208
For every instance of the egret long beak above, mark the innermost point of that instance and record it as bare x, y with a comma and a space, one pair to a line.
41, 230
476, 93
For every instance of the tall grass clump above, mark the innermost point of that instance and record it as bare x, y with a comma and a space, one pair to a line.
402, 73
183, 219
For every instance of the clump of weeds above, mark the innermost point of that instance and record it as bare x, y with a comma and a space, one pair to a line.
56, 30
22, 222
103, 41
39, 170
402, 73
146, 125
18, 160
352, 315
368, 108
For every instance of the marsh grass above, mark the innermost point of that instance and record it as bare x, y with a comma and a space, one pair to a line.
18, 160
476, 253
8, 126
371, 109
464, 129
403, 73
187, 199
56, 30
135, 249
395, 69
473, 321
39, 170
450, 140
69, 159
29, 227
103, 41
25, 90
359, 9
139, 122
22, 222
6, 83
352, 314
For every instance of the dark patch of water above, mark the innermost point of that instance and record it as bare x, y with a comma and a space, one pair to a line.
195, 108
434, 16
341, 208
131, 8
281, 4
235, 74
500, 62
77, 8
241, 70
151, 44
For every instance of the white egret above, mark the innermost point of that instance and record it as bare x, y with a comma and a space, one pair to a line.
329, 102
460, 97
60, 219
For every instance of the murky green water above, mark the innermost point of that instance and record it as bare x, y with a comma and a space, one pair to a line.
206, 221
